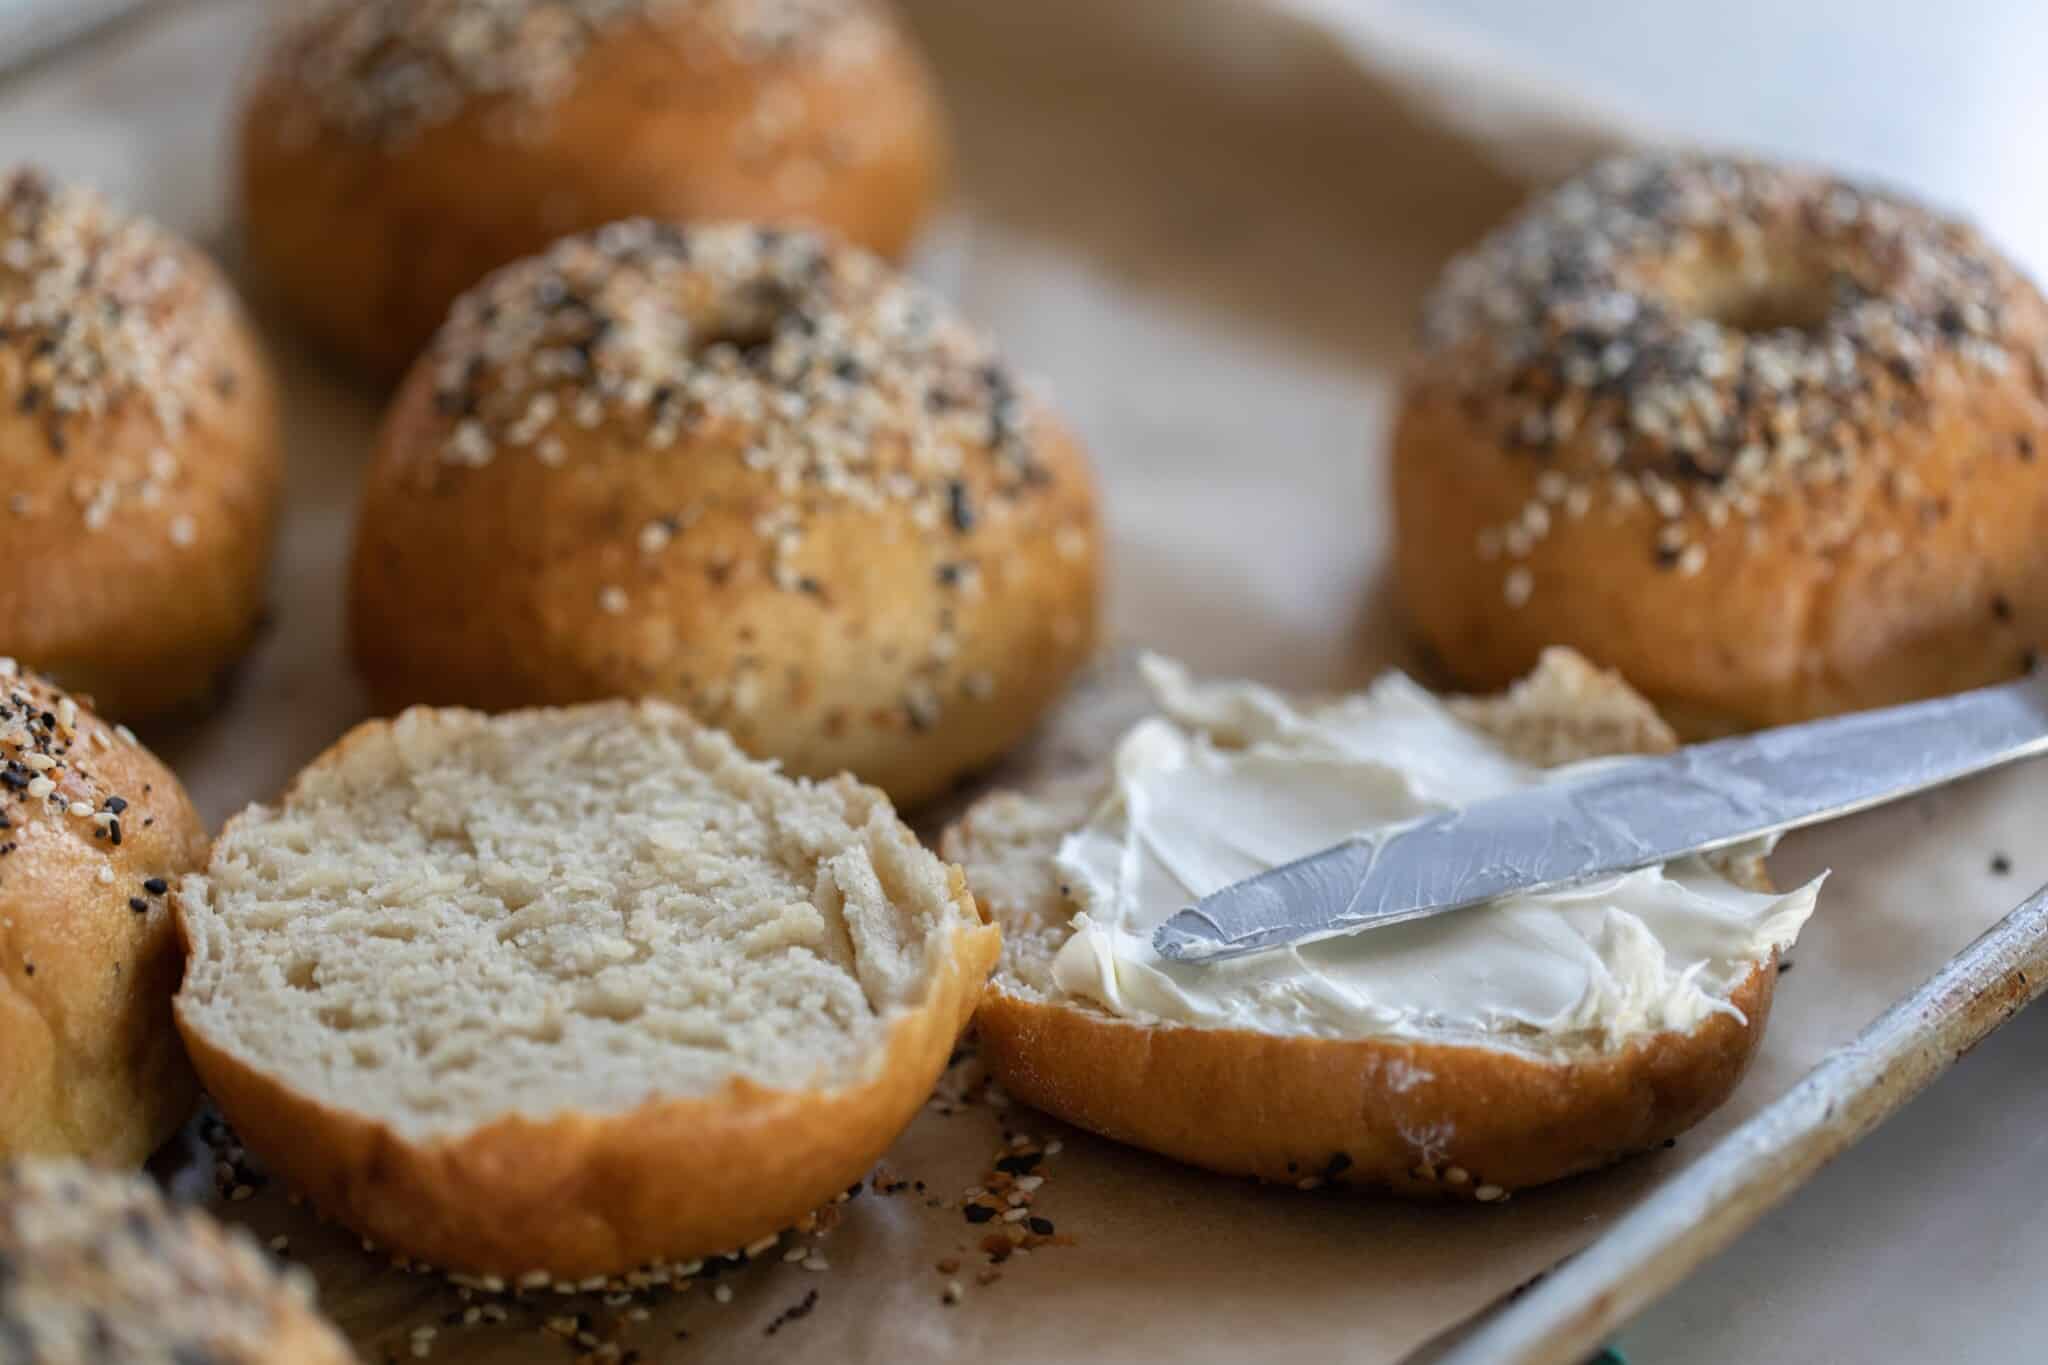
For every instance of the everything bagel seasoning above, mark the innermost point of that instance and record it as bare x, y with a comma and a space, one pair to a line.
1696, 335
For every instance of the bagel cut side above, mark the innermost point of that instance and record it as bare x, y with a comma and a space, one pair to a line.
1432, 1116
571, 992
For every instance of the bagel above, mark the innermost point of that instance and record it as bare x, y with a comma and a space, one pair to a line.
571, 993
97, 1269
393, 152
93, 829
1768, 442
757, 474
139, 445
1463, 1057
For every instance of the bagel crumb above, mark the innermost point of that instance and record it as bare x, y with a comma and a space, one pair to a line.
1572, 332
802, 1308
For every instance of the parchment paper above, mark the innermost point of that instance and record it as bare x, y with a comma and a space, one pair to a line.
1205, 224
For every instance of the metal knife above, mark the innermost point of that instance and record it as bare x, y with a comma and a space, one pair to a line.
1627, 814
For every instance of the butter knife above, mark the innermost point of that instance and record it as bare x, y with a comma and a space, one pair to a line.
1619, 816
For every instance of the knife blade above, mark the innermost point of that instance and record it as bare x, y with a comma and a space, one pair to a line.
1617, 817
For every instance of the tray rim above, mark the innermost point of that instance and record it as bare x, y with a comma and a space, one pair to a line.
1566, 1315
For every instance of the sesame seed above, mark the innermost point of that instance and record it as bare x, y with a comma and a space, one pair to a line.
1517, 587
612, 600
1489, 1194
40, 788
654, 537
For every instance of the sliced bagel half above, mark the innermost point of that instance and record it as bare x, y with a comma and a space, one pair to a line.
1470, 1056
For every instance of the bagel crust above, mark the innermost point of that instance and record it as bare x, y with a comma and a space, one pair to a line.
1441, 1115
831, 525
139, 451
1771, 444
1413, 1118
388, 161
90, 1064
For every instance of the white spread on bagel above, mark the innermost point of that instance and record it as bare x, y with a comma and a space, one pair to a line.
1230, 779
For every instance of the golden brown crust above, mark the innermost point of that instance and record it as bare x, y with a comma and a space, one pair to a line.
139, 524
1414, 1118
1831, 519
370, 240
90, 1064
583, 1195
904, 642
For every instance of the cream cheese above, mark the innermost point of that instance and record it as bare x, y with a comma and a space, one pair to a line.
1229, 779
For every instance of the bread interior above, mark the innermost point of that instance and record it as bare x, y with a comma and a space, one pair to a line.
453, 918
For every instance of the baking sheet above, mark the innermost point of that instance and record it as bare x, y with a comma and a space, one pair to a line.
1205, 226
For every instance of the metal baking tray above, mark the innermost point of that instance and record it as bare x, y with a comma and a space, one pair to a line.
1565, 1315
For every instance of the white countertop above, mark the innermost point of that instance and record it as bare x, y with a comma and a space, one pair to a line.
1926, 1243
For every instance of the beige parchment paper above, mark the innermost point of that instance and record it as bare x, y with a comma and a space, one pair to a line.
1204, 225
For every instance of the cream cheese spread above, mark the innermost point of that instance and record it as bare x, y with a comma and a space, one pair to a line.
1229, 779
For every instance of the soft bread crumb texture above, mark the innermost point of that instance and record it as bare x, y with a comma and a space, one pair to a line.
453, 918
97, 1269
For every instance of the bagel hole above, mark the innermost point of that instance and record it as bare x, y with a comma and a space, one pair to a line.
749, 323
751, 341
1775, 304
